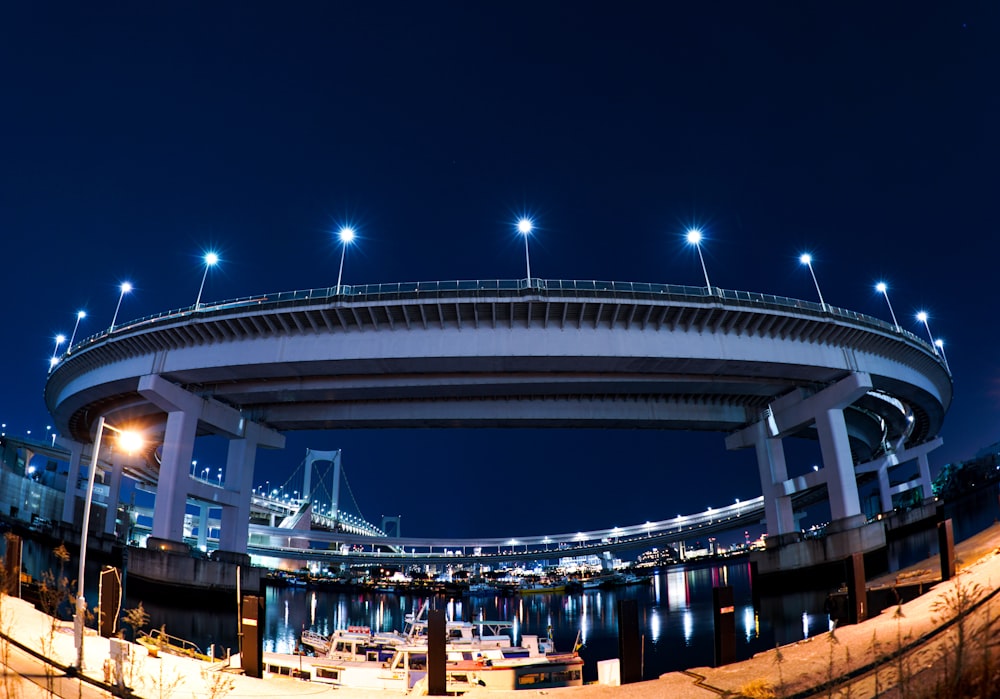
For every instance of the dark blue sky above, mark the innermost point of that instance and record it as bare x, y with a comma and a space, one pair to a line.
136, 136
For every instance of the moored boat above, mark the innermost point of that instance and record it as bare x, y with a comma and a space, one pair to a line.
478, 653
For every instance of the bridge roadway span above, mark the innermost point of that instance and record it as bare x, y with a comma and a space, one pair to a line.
332, 548
528, 353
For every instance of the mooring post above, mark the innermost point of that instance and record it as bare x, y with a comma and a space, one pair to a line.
629, 643
857, 592
252, 626
946, 546
437, 685
724, 609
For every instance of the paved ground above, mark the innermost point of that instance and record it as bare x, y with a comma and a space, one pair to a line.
799, 669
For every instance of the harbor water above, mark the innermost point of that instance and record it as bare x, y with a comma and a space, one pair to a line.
675, 607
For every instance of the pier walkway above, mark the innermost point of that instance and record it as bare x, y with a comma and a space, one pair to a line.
916, 641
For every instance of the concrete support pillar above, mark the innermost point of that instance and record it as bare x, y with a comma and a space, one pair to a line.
72, 480
114, 493
773, 471
884, 492
203, 526
171, 491
184, 412
838, 464
925, 476
239, 477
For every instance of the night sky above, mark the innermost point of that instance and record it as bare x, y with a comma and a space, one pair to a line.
134, 137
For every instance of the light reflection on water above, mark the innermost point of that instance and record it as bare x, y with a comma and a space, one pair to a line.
675, 611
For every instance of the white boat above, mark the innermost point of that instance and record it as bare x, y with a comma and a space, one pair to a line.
478, 653
352, 643
466, 666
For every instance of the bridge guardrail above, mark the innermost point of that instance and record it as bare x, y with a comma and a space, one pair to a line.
403, 290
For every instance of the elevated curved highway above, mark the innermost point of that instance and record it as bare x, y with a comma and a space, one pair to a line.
550, 353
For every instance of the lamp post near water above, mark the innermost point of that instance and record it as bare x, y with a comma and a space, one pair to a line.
130, 442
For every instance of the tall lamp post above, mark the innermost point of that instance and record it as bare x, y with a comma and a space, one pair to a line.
80, 315
211, 259
807, 260
524, 227
60, 338
346, 235
883, 289
939, 343
130, 442
694, 238
126, 287
922, 317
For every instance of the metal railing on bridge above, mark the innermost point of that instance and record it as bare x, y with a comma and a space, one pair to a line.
400, 290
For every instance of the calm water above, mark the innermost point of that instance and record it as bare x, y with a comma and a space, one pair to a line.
675, 616
675, 609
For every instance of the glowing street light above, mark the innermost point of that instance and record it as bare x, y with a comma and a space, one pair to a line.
883, 289
80, 315
126, 287
939, 343
60, 338
694, 238
524, 227
346, 235
211, 259
922, 317
807, 260
130, 442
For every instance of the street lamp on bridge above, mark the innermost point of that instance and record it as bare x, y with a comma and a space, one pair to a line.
60, 338
807, 260
524, 227
939, 343
922, 317
211, 259
694, 237
129, 441
346, 235
80, 315
125, 287
883, 289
